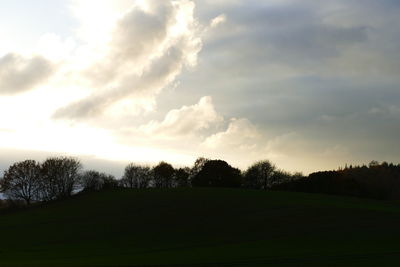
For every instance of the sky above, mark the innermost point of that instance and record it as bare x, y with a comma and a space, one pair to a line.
308, 85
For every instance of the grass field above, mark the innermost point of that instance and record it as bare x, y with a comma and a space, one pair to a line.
203, 227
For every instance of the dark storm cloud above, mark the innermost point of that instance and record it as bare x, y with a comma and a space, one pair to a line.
19, 74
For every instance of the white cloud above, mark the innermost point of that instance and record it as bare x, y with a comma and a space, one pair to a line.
297, 68
148, 47
218, 20
385, 111
19, 74
97, 17
241, 134
187, 120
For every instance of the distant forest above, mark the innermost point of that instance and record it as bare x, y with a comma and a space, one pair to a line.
377, 180
29, 181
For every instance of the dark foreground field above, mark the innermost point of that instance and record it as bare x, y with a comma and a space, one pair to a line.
203, 227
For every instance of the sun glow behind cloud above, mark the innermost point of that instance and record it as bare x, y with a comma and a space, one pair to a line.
98, 41
172, 80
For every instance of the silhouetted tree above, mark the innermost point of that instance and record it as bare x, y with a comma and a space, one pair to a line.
59, 177
197, 167
299, 175
217, 173
109, 181
163, 175
279, 177
3, 204
91, 181
96, 181
136, 176
181, 177
21, 181
379, 181
259, 175
373, 163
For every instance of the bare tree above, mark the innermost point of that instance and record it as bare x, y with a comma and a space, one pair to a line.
95, 181
59, 177
91, 181
21, 181
136, 176
108, 181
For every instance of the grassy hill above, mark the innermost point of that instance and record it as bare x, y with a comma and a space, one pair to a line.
203, 227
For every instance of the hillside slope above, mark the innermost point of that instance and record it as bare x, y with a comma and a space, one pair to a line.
203, 227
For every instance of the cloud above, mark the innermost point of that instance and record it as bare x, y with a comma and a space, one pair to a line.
241, 143
328, 71
218, 20
313, 84
240, 134
292, 35
151, 82
202, 124
148, 48
185, 121
19, 74
385, 112
199, 130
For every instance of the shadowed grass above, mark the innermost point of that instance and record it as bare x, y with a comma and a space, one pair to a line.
203, 227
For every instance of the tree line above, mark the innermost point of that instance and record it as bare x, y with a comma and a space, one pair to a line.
61, 177
375, 180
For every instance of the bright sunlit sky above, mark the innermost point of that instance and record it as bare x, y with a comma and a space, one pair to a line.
309, 85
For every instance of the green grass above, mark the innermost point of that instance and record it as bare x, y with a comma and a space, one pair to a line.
203, 227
